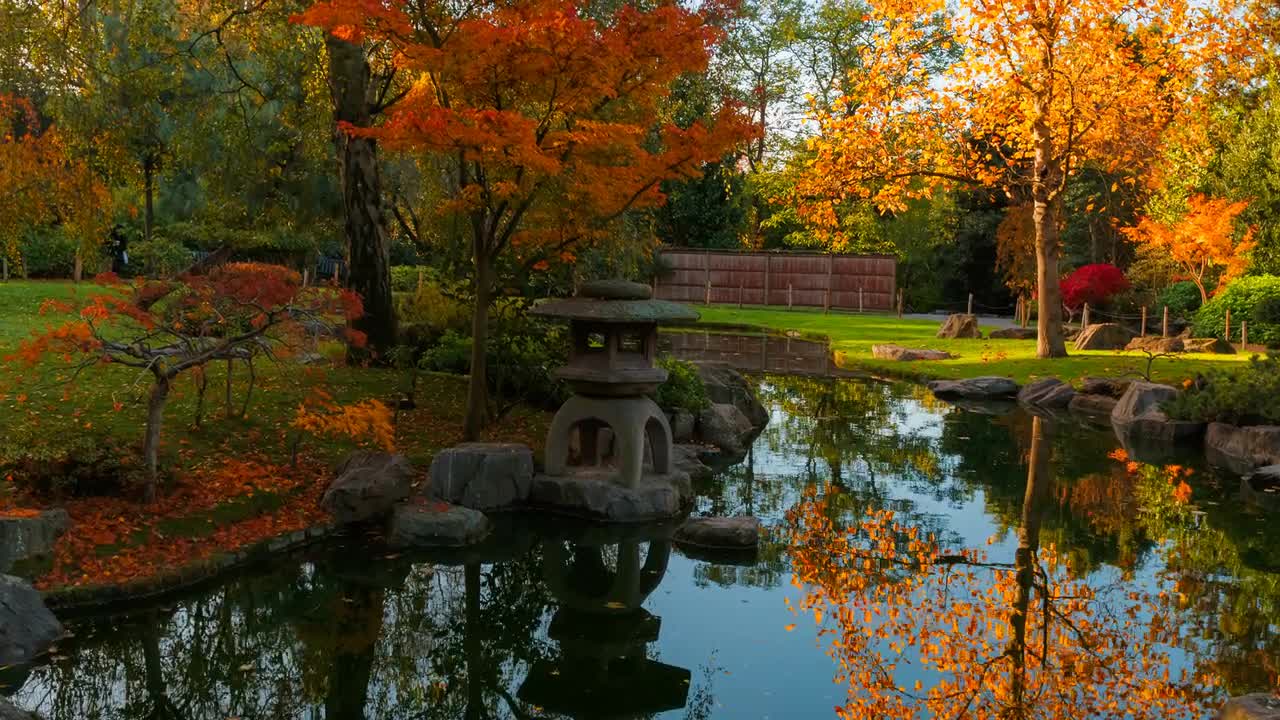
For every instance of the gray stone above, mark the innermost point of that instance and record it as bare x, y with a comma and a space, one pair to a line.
1104, 336
1093, 408
27, 628
1014, 333
1156, 344
657, 497
1111, 387
483, 476
9, 712
687, 459
436, 525
725, 426
1050, 393
367, 485
1139, 419
960, 325
978, 388
726, 385
1243, 448
1212, 346
1258, 706
29, 538
683, 424
904, 354
1262, 487
720, 533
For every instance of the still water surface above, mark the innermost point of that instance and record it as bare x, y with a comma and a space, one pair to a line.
538, 624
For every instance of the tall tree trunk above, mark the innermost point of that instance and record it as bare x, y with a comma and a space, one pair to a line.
364, 219
155, 420
148, 190
77, 270
1025, 562
477, 390
1049, 343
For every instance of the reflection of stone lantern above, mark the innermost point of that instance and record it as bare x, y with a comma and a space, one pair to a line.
614, 326
603, 670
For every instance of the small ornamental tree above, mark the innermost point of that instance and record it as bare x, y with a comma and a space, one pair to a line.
1094, 284
546, 117
233, 312
1205, 242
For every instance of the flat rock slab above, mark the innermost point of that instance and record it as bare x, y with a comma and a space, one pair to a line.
906, 354
1259, 706
1212, 346
594, 496
436, 525
1104, 336
30, 538
960, 325
720, 533
1156, 344
978, 388
483, 476
1014, 333
27, 628
1095, 409
1242, 449
1049, 393
367, 485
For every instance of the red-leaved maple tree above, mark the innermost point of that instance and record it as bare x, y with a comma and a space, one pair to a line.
1093, 284
548, 119
233, 312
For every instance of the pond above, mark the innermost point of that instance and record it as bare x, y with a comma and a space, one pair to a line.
1084, 585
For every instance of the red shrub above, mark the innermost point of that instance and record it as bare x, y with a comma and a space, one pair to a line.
1093, 284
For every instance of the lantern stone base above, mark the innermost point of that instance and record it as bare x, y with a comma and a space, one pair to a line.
593, 494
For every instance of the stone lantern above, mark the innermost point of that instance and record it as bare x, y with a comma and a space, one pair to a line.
614, 330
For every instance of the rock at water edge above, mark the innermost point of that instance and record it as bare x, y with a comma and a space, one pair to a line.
415, 525
979, 388
367, 485
720, 533
483, 476
1050, 393
27, 628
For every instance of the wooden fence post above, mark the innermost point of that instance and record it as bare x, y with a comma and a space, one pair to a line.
1143, 331
1164, 325
419, 279
768, 263
970, 311
708, 298
830, 270
1026, 312
1244, 334
859, 299
788, 296
6, 269
1084, 317
337, 270
826, 303
706, 269
1227, 329
899, 303
740, 284
306, 274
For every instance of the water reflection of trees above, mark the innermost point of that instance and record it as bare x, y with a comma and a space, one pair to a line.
921, 629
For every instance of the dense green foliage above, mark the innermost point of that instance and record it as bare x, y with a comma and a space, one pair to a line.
1243, 298
684, 389
1240, 396
1182, 299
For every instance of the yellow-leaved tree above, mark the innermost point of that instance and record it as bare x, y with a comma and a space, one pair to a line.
1204, 242
1040, 89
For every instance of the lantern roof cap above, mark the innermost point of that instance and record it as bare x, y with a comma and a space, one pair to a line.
616, 302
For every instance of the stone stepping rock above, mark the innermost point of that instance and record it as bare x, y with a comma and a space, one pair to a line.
435, 524
978, 388
905, 354
720, 533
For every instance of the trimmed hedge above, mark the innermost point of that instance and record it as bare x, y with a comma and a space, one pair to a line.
1182, 299
1249, 298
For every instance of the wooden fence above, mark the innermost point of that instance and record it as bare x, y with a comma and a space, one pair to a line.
851, 282
753, 354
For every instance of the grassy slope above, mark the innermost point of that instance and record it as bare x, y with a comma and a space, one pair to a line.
854, 334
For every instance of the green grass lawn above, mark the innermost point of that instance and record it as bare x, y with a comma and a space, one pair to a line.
852, 335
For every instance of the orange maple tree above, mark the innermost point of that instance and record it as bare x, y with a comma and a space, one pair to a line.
548, 119
1042, 88
920, 629
1205, 241
234, 312
42, 184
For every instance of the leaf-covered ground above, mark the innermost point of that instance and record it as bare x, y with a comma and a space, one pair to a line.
852, 335
228, 482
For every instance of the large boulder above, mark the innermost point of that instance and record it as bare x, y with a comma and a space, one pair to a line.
728, 386
1049, 393
687, 459
583, 495
367, 485
483, 476
1156, 344
726, 427
436, 525
978, 388
960, 325
1093, 408
1111, 387
1014, 333
683, 425
1104, 336
1243, 448
27, 628
904, 354
1258, 706
1140, 420
720, 533
30, 538
1211, 346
